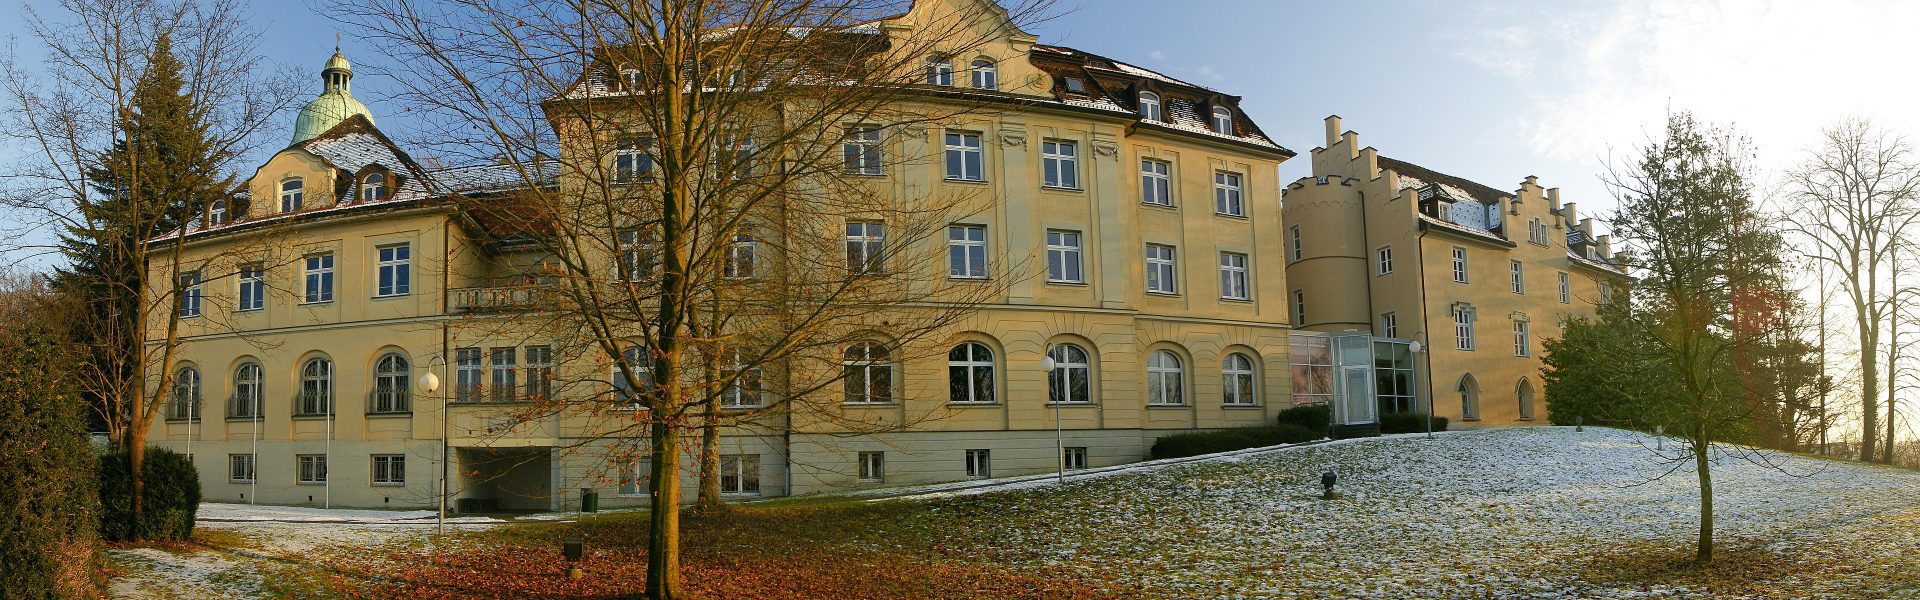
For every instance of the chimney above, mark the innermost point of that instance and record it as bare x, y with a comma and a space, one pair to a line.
1333, 130
1553, 200
1370, 158
1606, 246
1506, 205
1568, 214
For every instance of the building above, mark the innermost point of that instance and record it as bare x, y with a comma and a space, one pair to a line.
1144, 209
1478, 276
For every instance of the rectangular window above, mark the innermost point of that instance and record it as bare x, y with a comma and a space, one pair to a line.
1299, 308
633, 478
865, 242
1156, 182
1233, 276
1520, 339
979, 464
873, 467
1227, 198
862, 150
319, 278
1463, 328
1566, 294
964, 160
1537, 232
1384, 263
1389, 325
740, 261
967, 251
189, 294
638, 251
733, 156
240, 468
1160, 270
1063, 256
1060, 164
1293, 243
633, 161
1074, 458
503, 384
539, 372
396, 270
1516, 273
389, 469
1459, 264
253, 287
467, 376
1606, 294
740, 474
313, 468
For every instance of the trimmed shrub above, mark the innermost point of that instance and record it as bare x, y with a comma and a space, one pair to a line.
171, 499
1208, 442
1409, 422
48, 500
1313, 417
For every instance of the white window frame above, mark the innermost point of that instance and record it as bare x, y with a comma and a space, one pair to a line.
310, 469
395, 271
940, 71
1222, 120
217, 213
1073, 458
740, 257
966, 251
1156, 182
633, 160
862, 151
985, 74
1166, 384
1070, 363
637, 252
866, 243
1229, 197
242, 468
190, 296
373, 187
1060, 164
318, 278
1064, 254
252, 283
872, 467
539, 372
970, 365
1235, 282
1383, 261
248, 382
979, 463
391, 377
1163, 272
744, 380
1522, 339
1240, 382
1566, 289
293, 194
740, 474
186, 394
470, 374
316, 388
389, 470
1294, 249
1389, 325
1463, 319
1150, 106
866, 363
1459, 264
1299, 308
503, 373
965, 150
634, 478
1517, 275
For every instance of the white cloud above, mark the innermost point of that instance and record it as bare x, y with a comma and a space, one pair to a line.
1156, 55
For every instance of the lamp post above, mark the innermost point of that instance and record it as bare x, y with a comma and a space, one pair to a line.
1413, 350
430, 384
1059, 447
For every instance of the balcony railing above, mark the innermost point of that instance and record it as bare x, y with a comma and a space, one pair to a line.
497, 298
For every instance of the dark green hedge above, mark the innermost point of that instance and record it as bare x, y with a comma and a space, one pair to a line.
1312, 417
172, 497
1409, 422
47, 492
1208, 442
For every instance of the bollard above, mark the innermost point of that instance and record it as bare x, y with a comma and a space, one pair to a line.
1659, 437
573, 551
1577, 423
1326, 480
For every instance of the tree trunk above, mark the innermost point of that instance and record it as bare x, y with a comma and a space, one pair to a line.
663, 542
709, 497
1700, 463
1869, 395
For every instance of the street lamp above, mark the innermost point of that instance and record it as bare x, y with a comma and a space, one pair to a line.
1413, 349
430, 383
1059, 448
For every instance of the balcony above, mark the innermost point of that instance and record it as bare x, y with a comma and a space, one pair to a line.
496, 299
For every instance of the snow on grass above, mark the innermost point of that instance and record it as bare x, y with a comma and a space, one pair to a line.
155, 573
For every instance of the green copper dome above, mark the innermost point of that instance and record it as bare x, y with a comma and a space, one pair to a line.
334, 104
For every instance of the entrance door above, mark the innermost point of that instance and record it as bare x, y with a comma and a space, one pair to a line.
1356, 395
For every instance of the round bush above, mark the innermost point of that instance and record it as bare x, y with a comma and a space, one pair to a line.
1313, 417
1409, 422
172, 496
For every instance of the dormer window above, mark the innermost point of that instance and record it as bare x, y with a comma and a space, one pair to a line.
1222, 120
633, 79
373, 187
986, 75
291, 192
1150, 106
217, 213
939, 71
1076, 85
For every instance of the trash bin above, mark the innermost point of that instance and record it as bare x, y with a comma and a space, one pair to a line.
589, 500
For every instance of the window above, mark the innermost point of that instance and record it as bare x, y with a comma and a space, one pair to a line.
1160, 270
1237, 377
638, 252
1074, 84
940, 71
867, 374
1537, 232
633, 478
964, 161
1060, 164
503, 382
539, 372
390, 391
739, 263
1385, 261
1469, 398
743, 387
1459, 264
1311, 357
313, 468
862, 150
1524, 393
396, 270
1293, 243
979, 464
189, 294
246, 392
1514, 275
1389, 325
319, 278
466, 382
1566, 293
1164, 379
373, 187
291, 193
1156, 183
253, 287
640, 362
1063, 256
1150, 106
240, 468
389, 469
1463, 327
970, 374
865, 241
1606, 294
217, 212
733, 155
985, 75
316, 388
739, 473
186, 394
1233, 276
634, 79
1222, 120
632, 160
873, 467
1073, 458
1299, 307
967, 251
1227, 199
1521, 347
1393, 376
1071, 379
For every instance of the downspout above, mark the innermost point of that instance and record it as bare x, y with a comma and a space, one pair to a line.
1426, 312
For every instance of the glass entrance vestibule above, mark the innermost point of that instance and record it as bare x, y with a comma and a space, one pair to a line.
1360, 376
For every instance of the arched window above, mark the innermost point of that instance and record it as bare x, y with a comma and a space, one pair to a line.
986, 75
1236, 374
744, 389
970, 374
390, 391
1071, 379
1525, 394
246, 392
373, 187
291, 192
940, 71
1469, 398
217, 213
1222, 120
186, 394
1150, 106
1164, 378
316, 388
867, 374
